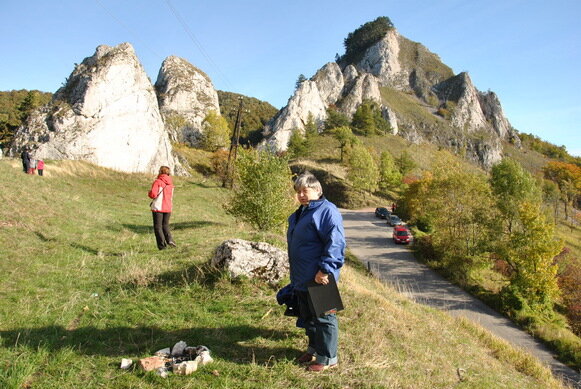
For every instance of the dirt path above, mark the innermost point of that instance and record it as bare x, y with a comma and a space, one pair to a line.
370, 240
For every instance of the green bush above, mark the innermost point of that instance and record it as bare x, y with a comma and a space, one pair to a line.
262, 193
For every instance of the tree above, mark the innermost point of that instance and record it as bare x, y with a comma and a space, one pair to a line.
216, 132
365, 36
457, 208
568, 177
297, 145
345, 137
174, 123
363, 121
512, 186
300, 80
363, 171
262, 194
531, 251
405, 163
30, 102
389, 175
335, 119
311, 133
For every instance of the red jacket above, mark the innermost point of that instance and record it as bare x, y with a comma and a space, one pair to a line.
162, 193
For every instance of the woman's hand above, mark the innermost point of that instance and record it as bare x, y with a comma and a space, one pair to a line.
321, 278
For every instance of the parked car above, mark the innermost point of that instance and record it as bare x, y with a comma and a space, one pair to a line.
394, 220
382, 213
401, 235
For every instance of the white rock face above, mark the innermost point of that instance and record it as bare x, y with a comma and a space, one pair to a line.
329, 80
388, 114
350, 74
382, 59
468, 113
187, 92
306, 99
493, 111
365, 87
107, 114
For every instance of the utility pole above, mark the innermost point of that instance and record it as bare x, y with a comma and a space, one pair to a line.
234, 142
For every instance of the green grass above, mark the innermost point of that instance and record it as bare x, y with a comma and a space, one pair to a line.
82, 286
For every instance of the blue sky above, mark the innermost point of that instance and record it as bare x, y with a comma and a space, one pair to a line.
528, 52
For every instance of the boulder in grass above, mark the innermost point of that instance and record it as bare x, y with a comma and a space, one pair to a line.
252, 259
152, 363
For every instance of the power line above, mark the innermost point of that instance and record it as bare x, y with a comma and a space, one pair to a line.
120, 22
198, 44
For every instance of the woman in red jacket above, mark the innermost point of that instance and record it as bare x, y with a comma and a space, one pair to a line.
162, 193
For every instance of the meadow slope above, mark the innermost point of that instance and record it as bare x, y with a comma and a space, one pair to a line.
82, 285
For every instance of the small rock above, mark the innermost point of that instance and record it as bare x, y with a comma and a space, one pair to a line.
185, 368
164, 352
178, 348
205, 358
152, 363
126, 363
162, 372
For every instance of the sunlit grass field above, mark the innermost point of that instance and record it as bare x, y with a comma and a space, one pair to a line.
82, 285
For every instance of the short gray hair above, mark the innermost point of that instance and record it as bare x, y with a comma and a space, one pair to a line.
308, 180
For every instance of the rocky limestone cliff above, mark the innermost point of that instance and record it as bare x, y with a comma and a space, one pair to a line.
186, 95
448, 109
306, 100
107, 114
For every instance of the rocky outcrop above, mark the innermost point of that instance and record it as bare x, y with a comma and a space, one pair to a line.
382, 60
186, 95
251, 259
467, 113
107, 114
329, 80
494, 113
306, 101
422, 100
364, 87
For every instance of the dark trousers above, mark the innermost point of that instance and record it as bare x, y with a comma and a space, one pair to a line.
161, 229
40, 172
322, 331
25, 166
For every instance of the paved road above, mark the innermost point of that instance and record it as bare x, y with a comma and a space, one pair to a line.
370, 240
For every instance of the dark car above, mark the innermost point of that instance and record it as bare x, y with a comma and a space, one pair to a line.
401, 235
382, 213
394, 220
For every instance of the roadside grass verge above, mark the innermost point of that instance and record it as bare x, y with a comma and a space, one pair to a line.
82, 285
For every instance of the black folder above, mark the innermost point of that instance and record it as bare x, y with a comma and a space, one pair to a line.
324, 299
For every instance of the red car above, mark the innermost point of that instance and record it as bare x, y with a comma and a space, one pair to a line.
401, 234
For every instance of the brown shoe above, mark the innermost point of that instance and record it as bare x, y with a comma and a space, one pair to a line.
306, 358
318, 367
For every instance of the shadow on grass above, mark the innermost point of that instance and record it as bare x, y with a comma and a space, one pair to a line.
148, 229
43, 237
202, 273
232, 343
93, 251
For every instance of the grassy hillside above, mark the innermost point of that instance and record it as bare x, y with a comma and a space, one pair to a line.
82, 285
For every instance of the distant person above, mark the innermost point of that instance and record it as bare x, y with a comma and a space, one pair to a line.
162, 193
40, 167
25, 160
393, 206
316, 248
32, 166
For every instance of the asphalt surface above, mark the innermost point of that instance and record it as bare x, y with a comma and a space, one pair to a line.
370, 239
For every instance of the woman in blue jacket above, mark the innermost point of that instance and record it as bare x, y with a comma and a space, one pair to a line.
316, 248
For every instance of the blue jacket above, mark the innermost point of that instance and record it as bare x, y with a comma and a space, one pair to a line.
316, 241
